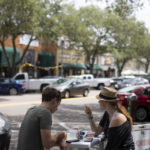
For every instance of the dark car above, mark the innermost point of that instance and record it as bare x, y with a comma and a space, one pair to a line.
5, 132
8, 86
142, 111
115, 81
71, 87
132, 81
147, 77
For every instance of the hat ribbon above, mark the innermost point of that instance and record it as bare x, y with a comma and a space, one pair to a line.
105, 97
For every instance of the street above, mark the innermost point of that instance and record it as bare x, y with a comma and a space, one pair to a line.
70, 113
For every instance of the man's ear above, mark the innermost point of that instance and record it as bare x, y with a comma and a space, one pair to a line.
54, 101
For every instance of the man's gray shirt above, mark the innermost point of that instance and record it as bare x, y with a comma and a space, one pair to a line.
36, 118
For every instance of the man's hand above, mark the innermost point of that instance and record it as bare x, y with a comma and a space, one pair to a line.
63, 146
60, 136
88, 110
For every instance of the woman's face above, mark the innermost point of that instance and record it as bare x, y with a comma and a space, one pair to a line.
102, 104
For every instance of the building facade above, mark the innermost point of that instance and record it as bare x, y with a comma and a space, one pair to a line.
39, 60
107, 62
71, 62
44, 58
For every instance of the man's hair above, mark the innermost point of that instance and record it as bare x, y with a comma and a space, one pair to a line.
49, 93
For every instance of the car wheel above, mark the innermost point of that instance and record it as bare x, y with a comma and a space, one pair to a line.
85, 93
100, 86
4, 142
13, 91
67, 94
141, 114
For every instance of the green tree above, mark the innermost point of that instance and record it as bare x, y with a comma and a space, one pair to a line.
20, 17
98, 32
125, 32
124, 8
144, 52
86, 30
125, 39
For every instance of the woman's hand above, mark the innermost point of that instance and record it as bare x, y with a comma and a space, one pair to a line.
88, 110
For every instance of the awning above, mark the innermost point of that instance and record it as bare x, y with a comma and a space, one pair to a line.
80, 66
46, 59
73, 66
95, 67
10, 51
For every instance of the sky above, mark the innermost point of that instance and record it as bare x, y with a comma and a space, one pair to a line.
141, 15
144, 14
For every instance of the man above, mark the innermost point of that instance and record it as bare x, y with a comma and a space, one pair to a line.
35, 131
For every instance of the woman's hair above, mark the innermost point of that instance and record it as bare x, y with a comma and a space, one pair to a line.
123, 110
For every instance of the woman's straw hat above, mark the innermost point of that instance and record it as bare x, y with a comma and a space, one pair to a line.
107, 94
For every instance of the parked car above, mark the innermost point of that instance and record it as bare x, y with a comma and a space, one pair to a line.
115, 81
11, 87
32, 84
97, 83
71, 87
131, 82
5, 132
142, 92
147, 77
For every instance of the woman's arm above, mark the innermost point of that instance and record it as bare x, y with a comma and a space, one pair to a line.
118, 120
95, 128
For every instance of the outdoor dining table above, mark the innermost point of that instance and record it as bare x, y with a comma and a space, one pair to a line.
81, 144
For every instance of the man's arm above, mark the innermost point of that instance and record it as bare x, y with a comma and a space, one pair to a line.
49, 140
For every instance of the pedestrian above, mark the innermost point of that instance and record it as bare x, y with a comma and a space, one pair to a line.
116, 123
35, 131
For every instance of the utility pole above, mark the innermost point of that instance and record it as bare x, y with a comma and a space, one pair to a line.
62, 54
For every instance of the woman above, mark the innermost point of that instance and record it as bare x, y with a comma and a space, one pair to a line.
116, 122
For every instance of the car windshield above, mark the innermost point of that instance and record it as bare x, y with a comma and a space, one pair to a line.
118, 80
133, 81
129, 89
127, 81
61, 82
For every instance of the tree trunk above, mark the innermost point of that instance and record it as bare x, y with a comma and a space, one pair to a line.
119, 72
147, 65
93, 60
11, 71
91, 68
